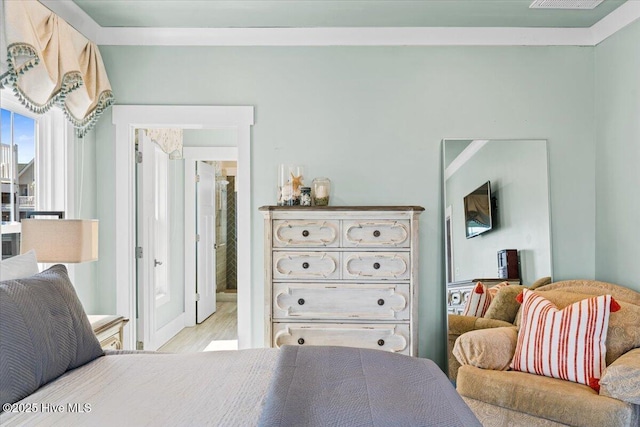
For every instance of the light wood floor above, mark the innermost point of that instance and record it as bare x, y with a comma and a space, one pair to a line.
218, 332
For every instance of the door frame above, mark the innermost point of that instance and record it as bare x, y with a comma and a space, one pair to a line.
192, 155
126, 119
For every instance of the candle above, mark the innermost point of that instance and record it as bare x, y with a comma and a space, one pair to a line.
321, 191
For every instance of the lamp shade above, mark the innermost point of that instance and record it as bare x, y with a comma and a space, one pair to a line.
60, 240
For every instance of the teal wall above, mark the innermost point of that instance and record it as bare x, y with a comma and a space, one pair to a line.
617, 83
372, 119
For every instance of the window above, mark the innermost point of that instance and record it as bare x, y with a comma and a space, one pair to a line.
17, 165
36, 166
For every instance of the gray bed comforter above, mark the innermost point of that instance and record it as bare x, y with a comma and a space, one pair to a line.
341, 386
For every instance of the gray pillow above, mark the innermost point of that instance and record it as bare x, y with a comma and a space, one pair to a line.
44, 332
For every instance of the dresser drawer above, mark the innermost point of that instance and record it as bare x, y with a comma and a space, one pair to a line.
376, 233
306, 233
306, 265
111, 343
341, 301
376, 265
394, 338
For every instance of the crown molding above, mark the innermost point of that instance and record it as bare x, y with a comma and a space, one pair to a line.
75, 16
423, 36
624, 15
464, 157
356, 36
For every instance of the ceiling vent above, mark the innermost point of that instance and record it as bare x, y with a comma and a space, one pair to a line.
565, 4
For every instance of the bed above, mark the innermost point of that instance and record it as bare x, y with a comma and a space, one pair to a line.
54, 373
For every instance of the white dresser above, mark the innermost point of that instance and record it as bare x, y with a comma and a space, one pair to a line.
342, 275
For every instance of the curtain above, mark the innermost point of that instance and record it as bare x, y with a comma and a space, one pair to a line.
50, 63
169, 140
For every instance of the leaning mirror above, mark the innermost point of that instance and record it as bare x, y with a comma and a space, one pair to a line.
497, 220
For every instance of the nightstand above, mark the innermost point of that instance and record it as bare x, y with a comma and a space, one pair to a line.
108, 329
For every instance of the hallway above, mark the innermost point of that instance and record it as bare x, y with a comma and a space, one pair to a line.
218, 332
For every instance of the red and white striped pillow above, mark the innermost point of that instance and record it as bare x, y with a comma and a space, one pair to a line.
480, 299
568, 344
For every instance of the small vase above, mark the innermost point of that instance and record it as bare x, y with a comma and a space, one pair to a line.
321, 191
290, 180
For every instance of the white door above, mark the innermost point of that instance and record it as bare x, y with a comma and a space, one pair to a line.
205, 241
153, 237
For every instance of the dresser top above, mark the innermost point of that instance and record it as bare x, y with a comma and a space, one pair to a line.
341, 208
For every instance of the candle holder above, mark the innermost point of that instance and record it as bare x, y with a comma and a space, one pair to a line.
290, 180
321, 191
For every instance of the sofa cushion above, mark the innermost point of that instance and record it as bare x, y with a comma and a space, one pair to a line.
543, 281
554, 399
621, 379
504, 305
44, 332
487, 348
566, 343
623, 334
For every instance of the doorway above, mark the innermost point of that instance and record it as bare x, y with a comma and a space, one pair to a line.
126, 120
216, 257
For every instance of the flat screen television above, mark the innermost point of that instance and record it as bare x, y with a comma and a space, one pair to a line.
478, 211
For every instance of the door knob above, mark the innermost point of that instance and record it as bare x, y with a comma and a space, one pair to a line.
156, 263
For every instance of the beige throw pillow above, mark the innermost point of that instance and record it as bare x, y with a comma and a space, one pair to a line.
504, 305
621, 379
487, 348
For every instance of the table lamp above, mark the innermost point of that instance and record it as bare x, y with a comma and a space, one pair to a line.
60, 240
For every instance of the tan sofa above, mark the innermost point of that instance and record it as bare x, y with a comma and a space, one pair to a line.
503, 397
496, 317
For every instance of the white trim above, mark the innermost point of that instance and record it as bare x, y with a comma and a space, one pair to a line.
346, 36
210, 153
365, 36
464, 157
191, 155
126, 118
624, 15
164, 334
75, 16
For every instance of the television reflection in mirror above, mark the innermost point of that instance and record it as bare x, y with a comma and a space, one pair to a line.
479, 207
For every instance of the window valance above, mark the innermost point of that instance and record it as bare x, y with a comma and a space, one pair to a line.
50, 63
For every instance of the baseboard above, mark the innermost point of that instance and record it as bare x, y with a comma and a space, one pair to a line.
167, 332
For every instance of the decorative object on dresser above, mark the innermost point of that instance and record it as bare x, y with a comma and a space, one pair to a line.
343, 276
508, 267
321, 191
108, 329
290, 181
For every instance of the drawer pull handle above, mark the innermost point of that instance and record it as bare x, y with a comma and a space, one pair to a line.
305, 265
301, 301
376, 265
380, 301
301, 341
305, 233
380, 343
376, 233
